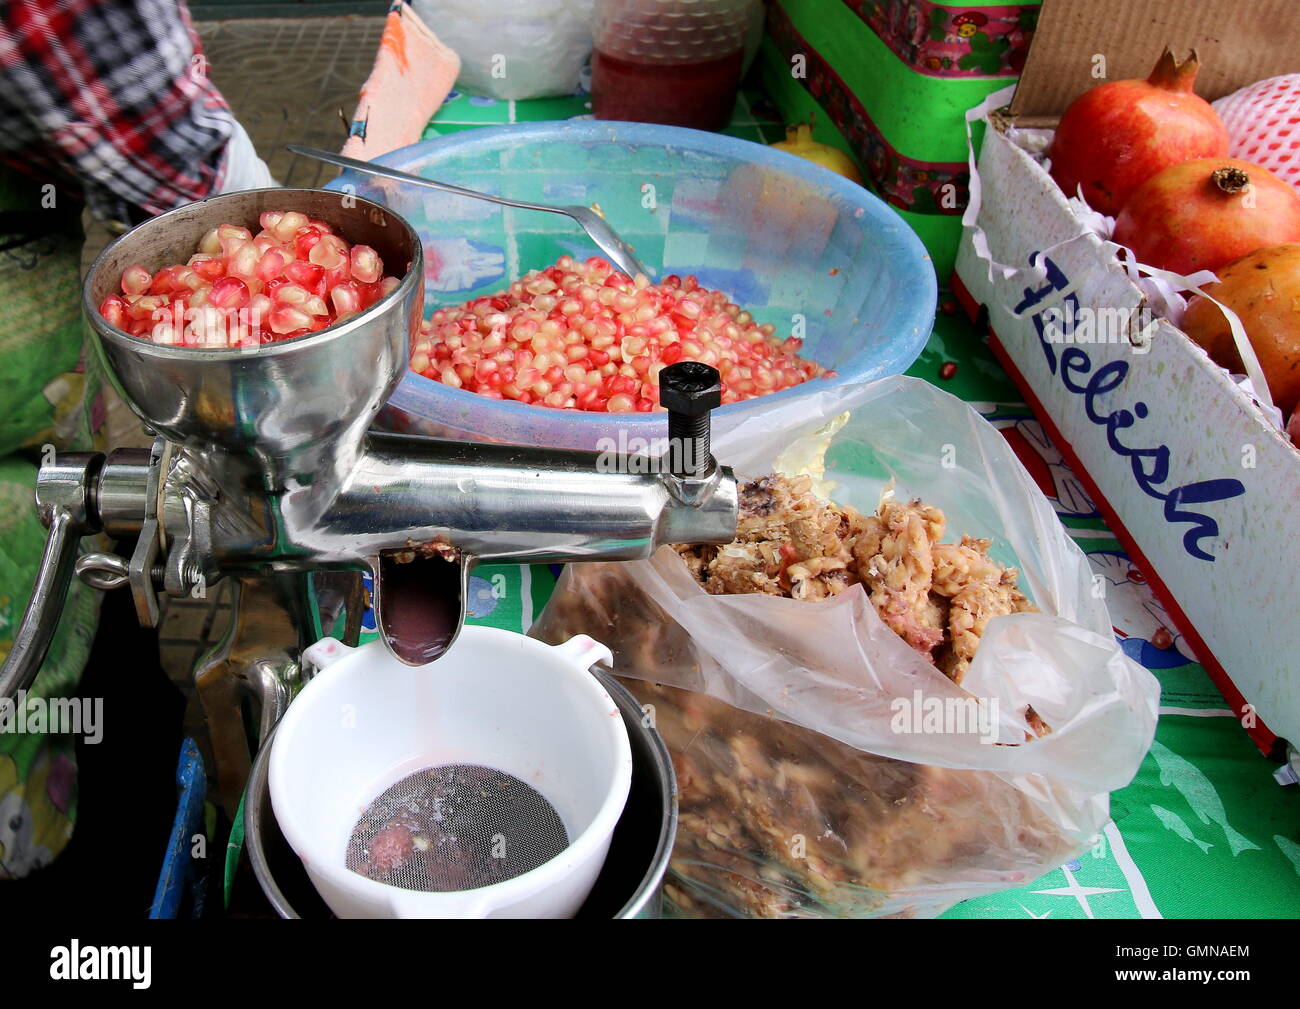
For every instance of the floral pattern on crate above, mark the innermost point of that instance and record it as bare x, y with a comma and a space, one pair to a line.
943, 42
923, 187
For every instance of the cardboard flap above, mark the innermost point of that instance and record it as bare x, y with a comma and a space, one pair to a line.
1238, 42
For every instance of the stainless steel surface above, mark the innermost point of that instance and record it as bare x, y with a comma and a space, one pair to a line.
596, 227
256, 661
42, 614
263, 469
149, 542
64, 502
639, 875
103, 571
510, 504
260, 830
123, 484
67, 482
284, 414
268, 467
654, 768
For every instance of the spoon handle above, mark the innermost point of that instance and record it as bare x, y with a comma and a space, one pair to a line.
392, 173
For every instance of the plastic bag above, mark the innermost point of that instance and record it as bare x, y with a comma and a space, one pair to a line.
242, 167
514, 49
827, 769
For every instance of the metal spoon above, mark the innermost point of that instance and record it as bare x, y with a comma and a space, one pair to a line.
618, 251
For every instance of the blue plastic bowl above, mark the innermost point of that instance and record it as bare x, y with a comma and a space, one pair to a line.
793, 243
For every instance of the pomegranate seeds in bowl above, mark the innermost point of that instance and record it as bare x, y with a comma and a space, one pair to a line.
292, 278
583, 336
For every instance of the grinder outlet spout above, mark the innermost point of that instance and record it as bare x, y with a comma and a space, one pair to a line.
419, 602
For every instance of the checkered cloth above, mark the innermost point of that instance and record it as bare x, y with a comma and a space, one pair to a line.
110, 100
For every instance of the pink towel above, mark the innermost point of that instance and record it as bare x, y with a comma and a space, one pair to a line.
413, 74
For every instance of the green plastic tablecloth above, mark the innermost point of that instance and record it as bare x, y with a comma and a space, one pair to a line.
1204, 830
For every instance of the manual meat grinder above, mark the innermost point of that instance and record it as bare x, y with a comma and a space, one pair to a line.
264, 470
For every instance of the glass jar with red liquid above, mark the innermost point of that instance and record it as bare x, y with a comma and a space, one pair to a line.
677, 62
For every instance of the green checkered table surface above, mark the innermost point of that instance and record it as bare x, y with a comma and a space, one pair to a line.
1204, 830
753, 118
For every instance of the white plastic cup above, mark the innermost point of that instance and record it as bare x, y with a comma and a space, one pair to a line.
496, 699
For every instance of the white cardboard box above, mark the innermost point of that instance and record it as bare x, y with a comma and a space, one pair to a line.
1199, 487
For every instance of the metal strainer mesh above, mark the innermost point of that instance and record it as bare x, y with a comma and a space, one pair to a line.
455, 827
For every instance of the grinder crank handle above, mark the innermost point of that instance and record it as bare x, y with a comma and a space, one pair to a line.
43, 608
65, 490
79, 494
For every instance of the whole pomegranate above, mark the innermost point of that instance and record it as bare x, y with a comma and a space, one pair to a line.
1117, 135
1205, 214
1263, 288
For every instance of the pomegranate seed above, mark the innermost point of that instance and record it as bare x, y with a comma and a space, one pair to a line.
370, 293
366, 266
165, 333
328, 252
165, 281
259, 307
338, 274
207, 327
135, 280
346, 298
210, 243
229, 292
305, 240
243, 263
210, 268
113, 309
287, 226
586, 336
290, 294
269, 266
307, 275
144, 307
285, 319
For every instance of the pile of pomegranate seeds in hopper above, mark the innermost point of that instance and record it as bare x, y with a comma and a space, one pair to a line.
294, 277
585, 336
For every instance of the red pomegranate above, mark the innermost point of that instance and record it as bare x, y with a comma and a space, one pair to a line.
1117, 135
1205, 214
